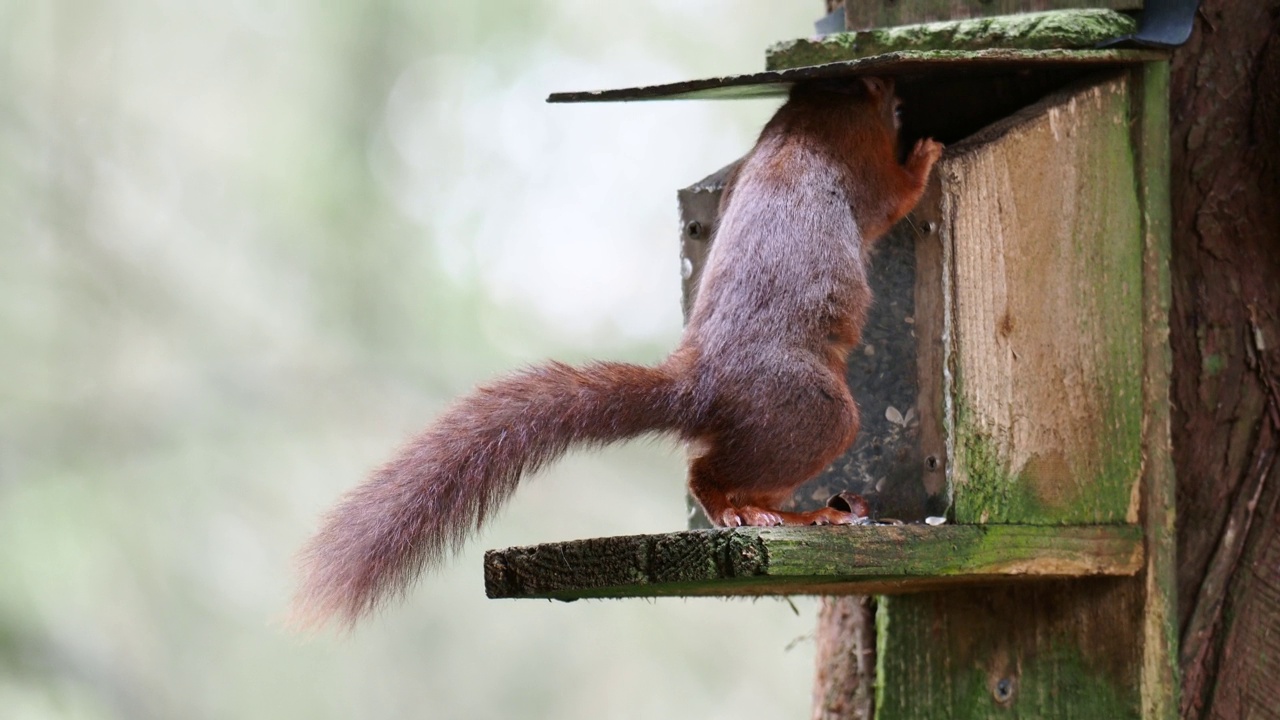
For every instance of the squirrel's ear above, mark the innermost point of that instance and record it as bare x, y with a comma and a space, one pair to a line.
878, 87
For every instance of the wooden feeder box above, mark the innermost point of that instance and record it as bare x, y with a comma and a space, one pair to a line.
1013, 379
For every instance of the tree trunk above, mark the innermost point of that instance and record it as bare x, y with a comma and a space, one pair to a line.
844, 683
1225, 332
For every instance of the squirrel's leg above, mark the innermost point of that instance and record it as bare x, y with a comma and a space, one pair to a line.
744, 474
705, 482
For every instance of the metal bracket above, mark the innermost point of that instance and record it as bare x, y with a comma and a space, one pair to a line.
833, 22
1162, 24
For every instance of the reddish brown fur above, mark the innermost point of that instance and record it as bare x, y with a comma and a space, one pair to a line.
756, 384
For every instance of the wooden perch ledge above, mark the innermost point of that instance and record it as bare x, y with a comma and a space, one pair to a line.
810, 560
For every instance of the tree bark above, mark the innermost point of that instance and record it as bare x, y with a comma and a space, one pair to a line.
845, 680
1225, 334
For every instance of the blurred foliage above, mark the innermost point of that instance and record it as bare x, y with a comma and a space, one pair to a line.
248, 247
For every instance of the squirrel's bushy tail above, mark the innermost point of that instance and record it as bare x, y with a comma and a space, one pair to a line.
447, 480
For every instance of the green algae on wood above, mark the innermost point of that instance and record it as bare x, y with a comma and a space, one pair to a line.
883, 13
1046, 317
1060, 29
1160, 677
1086, 336
810, 560
1058, 649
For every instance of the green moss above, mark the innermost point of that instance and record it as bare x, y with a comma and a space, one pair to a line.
884, 640
1213, 364
990, 493
945, 656
1088, 476
1042, 687
1060, 29
1113, 250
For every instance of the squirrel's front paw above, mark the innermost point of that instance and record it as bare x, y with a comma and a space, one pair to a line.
925, 153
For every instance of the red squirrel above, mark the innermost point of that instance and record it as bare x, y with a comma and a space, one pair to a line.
756, 386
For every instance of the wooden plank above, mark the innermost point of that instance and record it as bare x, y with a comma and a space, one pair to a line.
930, 307
1160, 677
935, 64
1058, 650
1080, 29
811, 561
884, 13
1042, 226
1045, 336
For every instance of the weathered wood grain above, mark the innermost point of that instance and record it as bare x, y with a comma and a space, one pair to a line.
882, 13
1050, 334
817, 560
929, 328
1042, 224
1081, 29
1062, 650
1160, 677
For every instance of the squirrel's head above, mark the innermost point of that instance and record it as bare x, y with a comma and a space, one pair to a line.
880, 90
864, 92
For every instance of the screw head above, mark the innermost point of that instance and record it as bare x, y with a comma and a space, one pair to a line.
1003, 690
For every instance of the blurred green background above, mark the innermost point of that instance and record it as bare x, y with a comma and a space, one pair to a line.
247, 248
